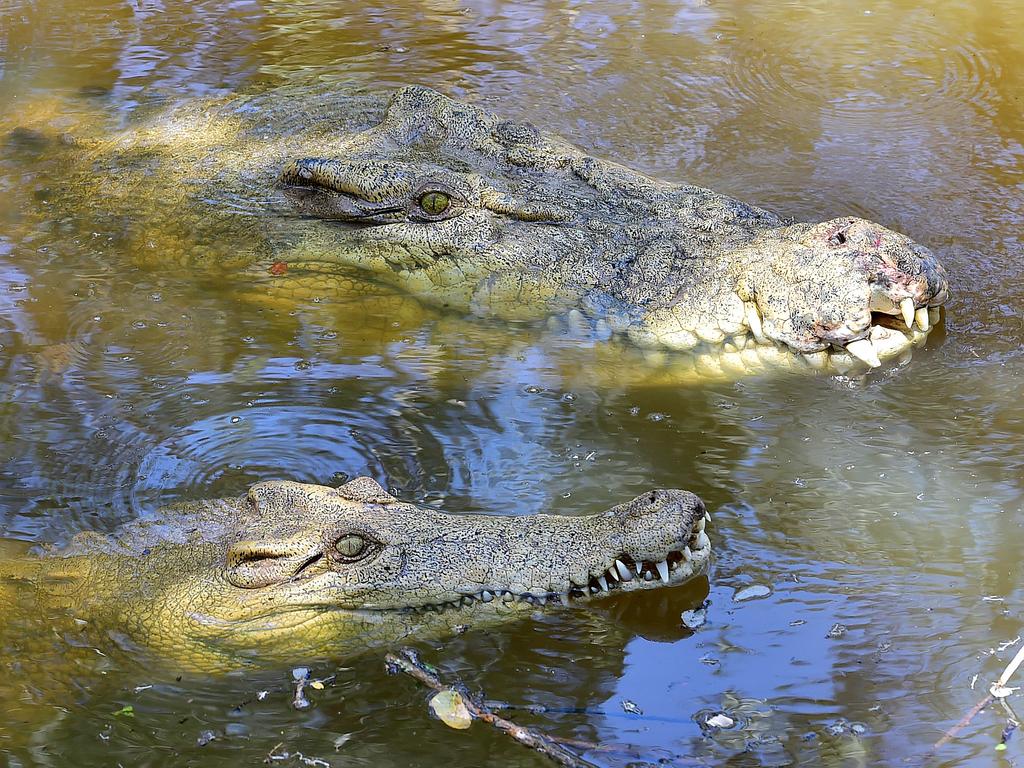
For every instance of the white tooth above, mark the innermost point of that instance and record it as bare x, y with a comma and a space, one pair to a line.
701, 523
907, 308
486, 596
564, 597
603, 582
663, 570
614, 573
707, 517
753, 318
541, 599
624, 573
687, 554
703, 541
863, 350
647, 576
921, 316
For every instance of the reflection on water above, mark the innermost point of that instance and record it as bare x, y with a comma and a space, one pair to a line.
884, 517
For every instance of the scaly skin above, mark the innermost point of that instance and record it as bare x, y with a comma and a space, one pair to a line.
292, 571
497, 218
334, 185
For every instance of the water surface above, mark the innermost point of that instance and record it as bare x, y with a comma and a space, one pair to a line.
890, 507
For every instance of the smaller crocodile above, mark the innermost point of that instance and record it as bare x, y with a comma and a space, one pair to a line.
291, 571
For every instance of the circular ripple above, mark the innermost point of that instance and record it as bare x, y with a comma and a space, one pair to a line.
224, 453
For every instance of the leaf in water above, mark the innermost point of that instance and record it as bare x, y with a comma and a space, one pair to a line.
449, 706
316, 685
126, 711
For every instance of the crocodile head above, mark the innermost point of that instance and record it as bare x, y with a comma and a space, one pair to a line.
495, 217
296, 570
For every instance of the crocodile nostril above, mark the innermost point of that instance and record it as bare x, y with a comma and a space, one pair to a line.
837, 238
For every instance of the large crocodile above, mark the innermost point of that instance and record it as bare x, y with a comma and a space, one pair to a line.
292, 571
495, 218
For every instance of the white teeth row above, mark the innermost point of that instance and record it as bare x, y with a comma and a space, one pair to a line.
864, 349
921, 315
618, 572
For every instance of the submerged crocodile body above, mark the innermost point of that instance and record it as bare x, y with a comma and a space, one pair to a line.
494, 217
293, 571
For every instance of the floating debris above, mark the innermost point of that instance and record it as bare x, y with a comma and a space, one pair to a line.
836, 631
694, 619
301, 677
205, 738
751, 593
631, 708
450, 708
720, 720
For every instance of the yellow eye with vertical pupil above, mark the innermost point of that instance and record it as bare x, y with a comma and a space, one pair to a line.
434, 203
351, 545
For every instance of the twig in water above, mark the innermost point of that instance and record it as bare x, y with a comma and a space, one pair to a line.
408, 662
998, 690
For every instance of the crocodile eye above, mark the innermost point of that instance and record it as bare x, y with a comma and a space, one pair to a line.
434, 203
352, 546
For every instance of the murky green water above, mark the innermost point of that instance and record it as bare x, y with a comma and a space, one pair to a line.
892, 508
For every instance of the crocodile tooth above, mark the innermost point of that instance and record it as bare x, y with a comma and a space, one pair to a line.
701, 523
753, 320
647, 575
663, 570
541, 599
687, 554
508, 597
703, 540
614, 573
624, 573
933, 315
564, 597
707, 516
907, 308
863, 350
486, 596
603, 582
921, 315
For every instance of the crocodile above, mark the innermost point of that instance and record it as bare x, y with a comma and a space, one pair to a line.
292, 571
491, 217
